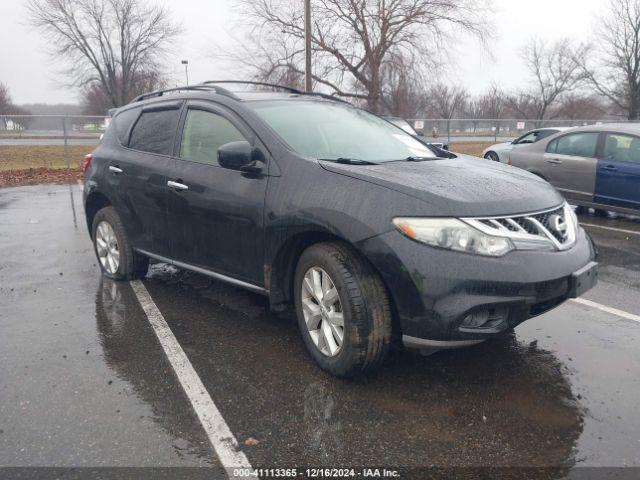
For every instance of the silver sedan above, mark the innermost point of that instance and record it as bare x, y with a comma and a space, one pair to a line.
497, 152
595, 166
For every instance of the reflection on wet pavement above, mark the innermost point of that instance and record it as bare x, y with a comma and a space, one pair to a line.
501, 403
78, 360
132, 352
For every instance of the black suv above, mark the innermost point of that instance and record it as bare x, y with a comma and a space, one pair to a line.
334, 211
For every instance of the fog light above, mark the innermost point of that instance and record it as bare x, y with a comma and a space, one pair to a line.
486, 318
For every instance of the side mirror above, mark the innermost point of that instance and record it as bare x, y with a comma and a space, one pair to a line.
235, 155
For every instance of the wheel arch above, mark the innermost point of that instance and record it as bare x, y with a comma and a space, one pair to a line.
93, 203
284, 262
538, 174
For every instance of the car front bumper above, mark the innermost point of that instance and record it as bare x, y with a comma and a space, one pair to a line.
446, 299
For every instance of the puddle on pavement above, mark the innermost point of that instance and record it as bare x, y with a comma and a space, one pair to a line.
500, 403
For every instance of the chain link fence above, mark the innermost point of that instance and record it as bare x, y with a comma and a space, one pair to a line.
59, 142
48, 141
489, 130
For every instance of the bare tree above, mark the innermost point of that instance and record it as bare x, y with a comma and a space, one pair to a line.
474, 110
446, 101
615, 66
403, 90
11, 113
575, 106
5, 99
555, 70
95, 101
111, 43
493, 103
354, 40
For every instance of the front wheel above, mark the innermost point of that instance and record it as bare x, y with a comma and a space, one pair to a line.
342, 308
493, 156
113, 248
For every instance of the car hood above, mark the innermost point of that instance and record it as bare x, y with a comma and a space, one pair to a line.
460, 187
499, 147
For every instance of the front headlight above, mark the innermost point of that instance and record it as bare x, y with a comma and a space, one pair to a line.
453, 234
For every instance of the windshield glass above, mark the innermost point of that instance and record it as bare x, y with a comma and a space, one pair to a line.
404, 125
332, 131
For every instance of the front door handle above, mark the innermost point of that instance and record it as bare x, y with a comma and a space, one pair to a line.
177, 185
554, 160
115, 170
610, 167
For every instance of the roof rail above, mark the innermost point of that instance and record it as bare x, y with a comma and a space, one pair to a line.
202, 88
275, 85
329, 97
250, 82
211, 85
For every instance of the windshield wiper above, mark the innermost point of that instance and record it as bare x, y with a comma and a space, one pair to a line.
349, 161
419, 159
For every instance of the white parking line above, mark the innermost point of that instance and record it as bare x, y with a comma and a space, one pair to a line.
220, 436
604, 308
632, 232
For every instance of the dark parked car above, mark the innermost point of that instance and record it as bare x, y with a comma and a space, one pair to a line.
335, 212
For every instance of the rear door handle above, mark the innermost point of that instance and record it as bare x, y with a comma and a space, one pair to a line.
115, 170
610, 167
177, 185
553, 160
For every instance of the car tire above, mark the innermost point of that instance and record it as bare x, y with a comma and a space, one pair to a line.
113, 249
493, 156
362, 301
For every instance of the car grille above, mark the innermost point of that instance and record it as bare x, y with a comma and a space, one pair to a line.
555, 227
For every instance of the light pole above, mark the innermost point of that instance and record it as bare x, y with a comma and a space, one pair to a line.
186, 69
307, 45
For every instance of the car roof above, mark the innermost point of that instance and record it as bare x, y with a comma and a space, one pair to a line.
265, 95
631, 128
226, 97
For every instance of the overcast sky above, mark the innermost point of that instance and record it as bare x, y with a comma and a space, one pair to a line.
31, 75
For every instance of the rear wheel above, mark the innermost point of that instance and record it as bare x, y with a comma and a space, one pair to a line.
493, 156
342, 309
113, 249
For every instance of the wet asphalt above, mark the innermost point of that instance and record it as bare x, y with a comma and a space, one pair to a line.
84, 381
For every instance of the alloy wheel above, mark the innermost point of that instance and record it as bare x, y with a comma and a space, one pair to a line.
322, 310
107, 247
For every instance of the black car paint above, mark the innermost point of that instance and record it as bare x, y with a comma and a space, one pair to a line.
252, 227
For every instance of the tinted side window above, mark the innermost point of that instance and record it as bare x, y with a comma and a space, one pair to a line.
576, 144
623, 148
531, 137
203, 134
154, 131
545, 133
123, 123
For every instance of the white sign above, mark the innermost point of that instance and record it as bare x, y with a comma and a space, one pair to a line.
520, 126
418, 125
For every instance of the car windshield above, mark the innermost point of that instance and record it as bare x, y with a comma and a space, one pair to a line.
404, 125
332, 131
